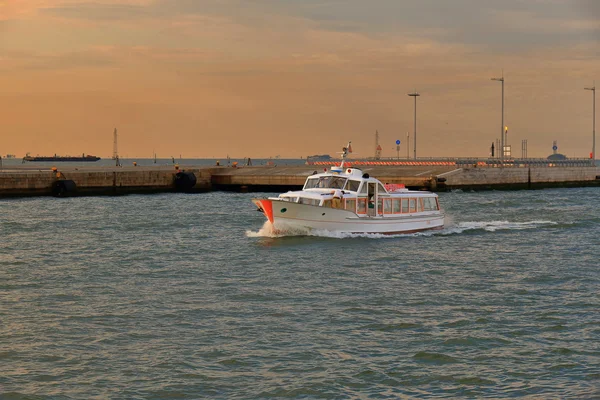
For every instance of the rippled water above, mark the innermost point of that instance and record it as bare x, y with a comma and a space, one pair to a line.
187, 296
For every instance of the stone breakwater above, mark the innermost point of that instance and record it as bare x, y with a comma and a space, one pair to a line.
71, 181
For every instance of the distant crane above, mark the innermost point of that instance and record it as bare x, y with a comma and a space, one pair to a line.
115, 152
377, 146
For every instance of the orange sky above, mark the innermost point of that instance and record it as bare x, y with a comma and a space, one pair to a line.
293, 78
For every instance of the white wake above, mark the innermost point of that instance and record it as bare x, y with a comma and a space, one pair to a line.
268, 230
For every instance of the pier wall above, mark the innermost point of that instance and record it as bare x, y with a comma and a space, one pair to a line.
128, 180
26, 183
524, 177
109, 181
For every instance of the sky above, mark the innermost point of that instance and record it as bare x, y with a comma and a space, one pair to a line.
291, 78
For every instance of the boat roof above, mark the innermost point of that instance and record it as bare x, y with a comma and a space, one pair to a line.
353, 174
357, 174
347, 172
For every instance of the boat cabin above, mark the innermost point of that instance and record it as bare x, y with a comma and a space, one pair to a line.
352, 190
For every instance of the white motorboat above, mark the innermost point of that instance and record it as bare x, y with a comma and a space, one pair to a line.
346, 200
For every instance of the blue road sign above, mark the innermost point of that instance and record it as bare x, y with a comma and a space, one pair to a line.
554, 148
397, 142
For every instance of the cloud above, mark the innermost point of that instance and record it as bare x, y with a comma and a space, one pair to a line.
101, 12
504, 25
102, 57
326, 68
25, 61
17, 9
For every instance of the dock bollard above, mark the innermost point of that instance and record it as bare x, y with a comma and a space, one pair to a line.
64, 188
57, 173
184, 181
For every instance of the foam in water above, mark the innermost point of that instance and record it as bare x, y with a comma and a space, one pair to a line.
268, 230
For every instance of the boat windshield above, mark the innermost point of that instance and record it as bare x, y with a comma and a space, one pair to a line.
325, 182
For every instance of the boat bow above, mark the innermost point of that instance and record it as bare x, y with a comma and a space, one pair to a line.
266, 207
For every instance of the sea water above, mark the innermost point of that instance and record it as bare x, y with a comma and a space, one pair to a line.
193, 296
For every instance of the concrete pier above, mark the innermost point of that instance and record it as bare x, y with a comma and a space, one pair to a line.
98, 181
522, 178
287, 178
71, 181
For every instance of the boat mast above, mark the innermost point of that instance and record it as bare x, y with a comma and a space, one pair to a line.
345, 151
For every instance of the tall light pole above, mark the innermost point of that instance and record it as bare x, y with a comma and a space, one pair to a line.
415, 95
501, 126
593, 89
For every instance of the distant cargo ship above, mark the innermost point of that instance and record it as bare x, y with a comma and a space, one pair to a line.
319, 157
81, 158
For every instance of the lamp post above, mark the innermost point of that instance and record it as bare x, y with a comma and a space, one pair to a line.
593, 89
501, 126
415, 95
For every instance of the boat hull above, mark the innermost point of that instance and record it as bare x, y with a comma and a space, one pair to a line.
288, 215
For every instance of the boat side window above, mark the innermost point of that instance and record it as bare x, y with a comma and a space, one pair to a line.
380, 206
420, 204
311, 183
430, 204
351, 205
426, 204
387, 206
404, 206
397, 206
352, 185
361, 206
312, 202
413, 205
381, 189
363, 188
327, 203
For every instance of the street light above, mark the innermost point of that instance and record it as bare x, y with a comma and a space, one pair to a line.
593, 89
501, 126
415, 95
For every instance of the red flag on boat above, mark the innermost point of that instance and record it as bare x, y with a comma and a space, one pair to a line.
350, 148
